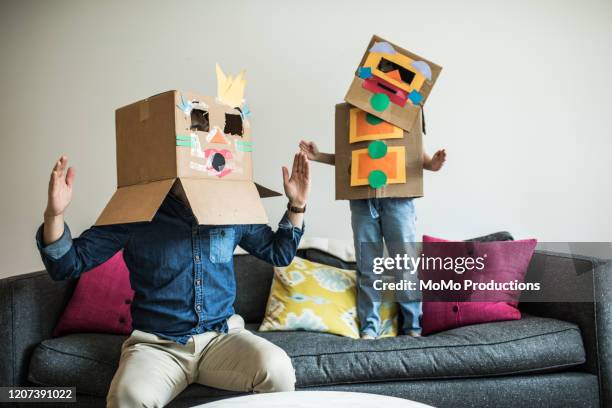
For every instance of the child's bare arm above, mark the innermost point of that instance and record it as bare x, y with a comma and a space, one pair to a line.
435, 162
313, 153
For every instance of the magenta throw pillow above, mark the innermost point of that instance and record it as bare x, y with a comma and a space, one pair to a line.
101, 301
504, 261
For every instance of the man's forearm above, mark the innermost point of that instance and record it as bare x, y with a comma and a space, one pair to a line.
53, 228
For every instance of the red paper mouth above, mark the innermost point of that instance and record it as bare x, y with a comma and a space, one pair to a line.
376, 84
216, 161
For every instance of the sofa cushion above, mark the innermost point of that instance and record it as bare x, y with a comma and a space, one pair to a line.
503, 262
86, 361
100, 302
532, 344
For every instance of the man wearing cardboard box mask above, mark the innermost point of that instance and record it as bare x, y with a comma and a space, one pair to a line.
185, 200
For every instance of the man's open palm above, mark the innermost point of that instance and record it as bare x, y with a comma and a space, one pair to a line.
60, 187
297, 186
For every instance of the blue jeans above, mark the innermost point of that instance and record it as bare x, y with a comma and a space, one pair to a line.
374, 220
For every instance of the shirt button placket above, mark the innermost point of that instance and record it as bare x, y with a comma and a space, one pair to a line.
198, 271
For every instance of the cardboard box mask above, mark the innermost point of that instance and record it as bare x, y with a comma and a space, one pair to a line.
199, 145
375, 159
392, 83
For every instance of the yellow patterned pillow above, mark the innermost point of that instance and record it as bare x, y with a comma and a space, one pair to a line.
315, 297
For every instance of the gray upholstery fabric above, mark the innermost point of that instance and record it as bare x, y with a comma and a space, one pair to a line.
30, 306
85, 360
253, 282
576, 390
496, 236
499, 348
593, 318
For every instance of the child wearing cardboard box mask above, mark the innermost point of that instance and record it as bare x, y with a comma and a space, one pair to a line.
178, 219
379, 163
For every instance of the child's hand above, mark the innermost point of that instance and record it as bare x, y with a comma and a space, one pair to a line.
311, 150
437, 160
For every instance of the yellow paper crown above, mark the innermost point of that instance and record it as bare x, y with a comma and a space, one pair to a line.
230, 89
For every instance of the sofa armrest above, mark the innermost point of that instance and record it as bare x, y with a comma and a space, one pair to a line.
582, 295
30, 306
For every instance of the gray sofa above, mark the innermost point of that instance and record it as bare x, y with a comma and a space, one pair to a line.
558, 355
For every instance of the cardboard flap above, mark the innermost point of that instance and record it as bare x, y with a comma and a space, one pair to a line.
265, 192
135, 203
225, 202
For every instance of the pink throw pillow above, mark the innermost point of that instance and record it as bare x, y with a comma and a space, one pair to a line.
505, 261
101, 301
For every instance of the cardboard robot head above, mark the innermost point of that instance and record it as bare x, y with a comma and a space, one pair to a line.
198, 145
392, 83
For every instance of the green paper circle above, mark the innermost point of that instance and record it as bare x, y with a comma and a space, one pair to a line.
377, 179
377, 149
379, 102
372, 120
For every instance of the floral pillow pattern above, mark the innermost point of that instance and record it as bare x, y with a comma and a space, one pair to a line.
314, 297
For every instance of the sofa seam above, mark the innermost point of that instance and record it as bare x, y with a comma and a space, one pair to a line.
453, 346
44, 346
544, 371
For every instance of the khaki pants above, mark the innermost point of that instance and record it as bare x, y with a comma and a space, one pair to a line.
152, 371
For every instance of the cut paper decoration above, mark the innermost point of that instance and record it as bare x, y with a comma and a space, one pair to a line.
397, 73
185, 106
216, 162
245, 112
244, 146
365, 72
392, 164
415, 97
383, 47
184, 141
377, 179
423, 68
377, 149
363, 128
379, 102
372, 120
230, 89
216, 136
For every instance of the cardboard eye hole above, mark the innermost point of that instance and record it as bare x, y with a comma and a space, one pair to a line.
233, 124
199, 120
387, 66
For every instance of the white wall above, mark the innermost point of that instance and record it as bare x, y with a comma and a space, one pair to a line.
522, 105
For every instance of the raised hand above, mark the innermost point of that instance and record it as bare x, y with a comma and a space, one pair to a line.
60, 188
311, 149
437, 160
297, 185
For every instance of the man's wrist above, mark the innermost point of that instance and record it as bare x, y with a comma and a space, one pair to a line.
297, 203
296, 206
50, 216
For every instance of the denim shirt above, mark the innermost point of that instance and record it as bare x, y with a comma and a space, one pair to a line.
182, 273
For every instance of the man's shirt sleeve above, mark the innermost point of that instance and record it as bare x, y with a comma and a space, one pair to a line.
67, 258
275, 247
